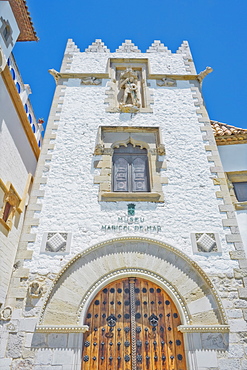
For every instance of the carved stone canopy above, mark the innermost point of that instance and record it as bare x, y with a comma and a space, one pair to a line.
128, 73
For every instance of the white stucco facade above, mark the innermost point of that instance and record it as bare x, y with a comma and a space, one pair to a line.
74, 243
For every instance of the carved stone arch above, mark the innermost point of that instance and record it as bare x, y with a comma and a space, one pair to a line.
138, 273
78, 280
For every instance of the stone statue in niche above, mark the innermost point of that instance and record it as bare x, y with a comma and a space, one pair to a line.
129, 83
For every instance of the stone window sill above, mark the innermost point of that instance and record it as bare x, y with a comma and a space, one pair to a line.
137, 197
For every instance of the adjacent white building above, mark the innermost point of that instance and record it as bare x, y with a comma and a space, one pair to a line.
20, 138
131, 254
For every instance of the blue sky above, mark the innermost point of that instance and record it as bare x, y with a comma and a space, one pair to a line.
216, 31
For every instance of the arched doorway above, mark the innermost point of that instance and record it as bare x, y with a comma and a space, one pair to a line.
133, 326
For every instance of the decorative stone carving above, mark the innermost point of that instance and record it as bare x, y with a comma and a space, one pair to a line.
11, 328
161, 149
61, 329
55, 74
166, 82
6, 313
131, 97
99, 148
56, 242
128, 47
91, 81
214, 341
205, 242
35, 289
204, 328
97, 46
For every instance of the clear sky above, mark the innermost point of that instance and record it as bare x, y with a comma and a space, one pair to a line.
216, 31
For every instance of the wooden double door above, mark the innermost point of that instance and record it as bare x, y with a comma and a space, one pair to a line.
133, 326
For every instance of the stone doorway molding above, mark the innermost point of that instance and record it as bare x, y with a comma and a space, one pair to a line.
78, 282
199, 306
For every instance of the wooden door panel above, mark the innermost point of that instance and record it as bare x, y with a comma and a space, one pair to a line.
133, 326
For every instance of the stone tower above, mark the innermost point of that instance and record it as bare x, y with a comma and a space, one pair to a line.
130, 256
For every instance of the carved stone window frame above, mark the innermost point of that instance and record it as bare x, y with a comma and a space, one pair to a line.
156, 163
9, 195
233, 177
140, 65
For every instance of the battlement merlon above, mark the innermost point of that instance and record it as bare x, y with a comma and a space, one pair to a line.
162, 61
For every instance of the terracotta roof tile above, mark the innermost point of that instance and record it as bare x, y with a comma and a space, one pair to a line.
23, 18
227, 134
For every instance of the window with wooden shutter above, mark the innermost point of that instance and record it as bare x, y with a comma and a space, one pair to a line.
130, 169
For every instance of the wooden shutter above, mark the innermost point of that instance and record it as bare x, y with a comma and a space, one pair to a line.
120, 174
139, 174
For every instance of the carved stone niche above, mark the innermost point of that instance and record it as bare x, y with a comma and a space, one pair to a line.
128, 91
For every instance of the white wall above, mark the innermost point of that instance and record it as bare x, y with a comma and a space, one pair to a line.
7, 15
233, 157
17, 160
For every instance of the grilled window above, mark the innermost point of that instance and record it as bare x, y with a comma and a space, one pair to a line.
130, 169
